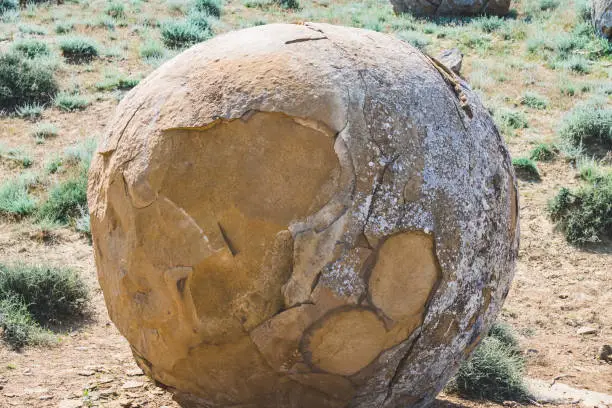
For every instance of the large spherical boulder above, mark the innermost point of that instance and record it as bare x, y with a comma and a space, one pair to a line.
451, 7
602, 17
303, 216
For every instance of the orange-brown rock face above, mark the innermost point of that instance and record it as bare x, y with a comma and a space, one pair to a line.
302, 216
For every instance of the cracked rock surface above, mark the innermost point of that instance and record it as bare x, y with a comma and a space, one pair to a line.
602, 17
303, 216
451, 7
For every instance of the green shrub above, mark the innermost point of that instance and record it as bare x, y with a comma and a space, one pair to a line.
64, 27
525, 169
23, 81
115, 10
65, 200
414, 38
584, 215
199, 19
182, 34
505, 334
69, 102
152, 49
32, 29
489, 24
548, 4
494, 372
542, 152
512, 119
16, 155
79, 49
588, 125
44, 131
29, 111
288, 4
31, 48
116, 81
534, 100
19, 329
577, 64
8, 5
210, 7
15, 198
51, 294
590, 170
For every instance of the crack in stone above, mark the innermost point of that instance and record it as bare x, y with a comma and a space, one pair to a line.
299, 40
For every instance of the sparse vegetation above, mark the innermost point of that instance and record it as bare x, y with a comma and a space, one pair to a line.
495, 370
525, 168
115, 10
7, 5
70, 101
44, 131
30, 111
23, 81
15, 198
31, 48
79, 49
543, 152
210, 7
587, 125
534, 100
584, 215
32, 296
182, 34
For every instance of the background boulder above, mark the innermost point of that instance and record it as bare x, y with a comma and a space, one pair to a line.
602, 17
451, 7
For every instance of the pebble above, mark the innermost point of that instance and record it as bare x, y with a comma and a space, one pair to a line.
130, 385
134, 373
70, 404
605, 353
86, 373
587, 330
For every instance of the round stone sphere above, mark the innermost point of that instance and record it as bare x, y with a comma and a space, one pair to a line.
303, 216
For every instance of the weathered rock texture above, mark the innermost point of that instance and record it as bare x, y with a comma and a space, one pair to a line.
451, 7
602, 17
303, 216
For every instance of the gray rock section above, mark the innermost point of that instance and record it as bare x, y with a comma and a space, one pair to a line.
451, 7
452, 58
418, 162
602, 17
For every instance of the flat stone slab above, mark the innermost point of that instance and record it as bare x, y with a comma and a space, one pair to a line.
558, 393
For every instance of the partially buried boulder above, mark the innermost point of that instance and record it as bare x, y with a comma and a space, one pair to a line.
303, 216
451, 7
602, 17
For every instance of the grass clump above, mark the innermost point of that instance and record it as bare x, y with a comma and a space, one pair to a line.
210, 7
584, 215
79, 49
414, 38
31, 48
44, 131
69, 102
19, 329
152, 49
534, 100
15, 198
16, 156
29, 111
495, 370
288, 4
23, 81
65, 200
32, 29
182, 34
542, 152
511, 119
115, 10
588, 125
35, 296
525, 169
64, 27
8, 5
116, 81
545, 5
